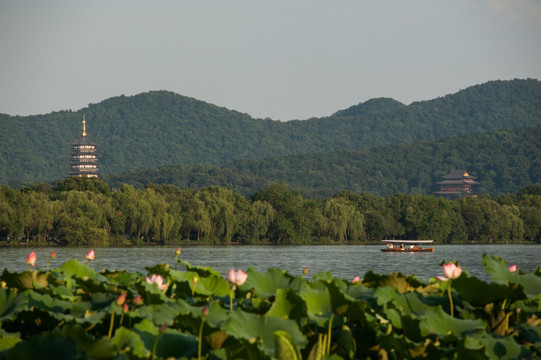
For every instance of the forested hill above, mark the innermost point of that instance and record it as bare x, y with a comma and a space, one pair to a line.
504, 161
162, 128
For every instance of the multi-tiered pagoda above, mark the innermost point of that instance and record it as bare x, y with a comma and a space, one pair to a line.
457, 183
84, 160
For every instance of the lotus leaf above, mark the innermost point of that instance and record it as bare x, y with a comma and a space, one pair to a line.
252, 327
288, 305
100, 348
401, 282
25, 280
8, 340
77, 270
128, 341
163, 313
170, 344
440, 323
285, 346
491, 347
10, 304
318, 302
265, 284
43, 347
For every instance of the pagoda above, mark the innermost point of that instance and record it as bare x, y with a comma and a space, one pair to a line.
84, 161
457, 183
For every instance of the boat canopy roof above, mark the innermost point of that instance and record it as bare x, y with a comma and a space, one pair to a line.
408, 241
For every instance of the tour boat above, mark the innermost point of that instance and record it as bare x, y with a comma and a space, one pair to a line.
407, 246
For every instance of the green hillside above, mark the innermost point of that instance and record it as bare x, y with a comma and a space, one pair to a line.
162, 128
504, 162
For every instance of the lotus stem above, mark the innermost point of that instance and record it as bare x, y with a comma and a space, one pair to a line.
328, 350
112, 322
450, 298
199, 345
122, 318
155, 346
231, 294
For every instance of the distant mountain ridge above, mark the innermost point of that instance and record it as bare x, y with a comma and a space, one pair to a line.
504, 161
161, 128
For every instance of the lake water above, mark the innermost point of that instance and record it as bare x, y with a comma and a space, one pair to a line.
342, 261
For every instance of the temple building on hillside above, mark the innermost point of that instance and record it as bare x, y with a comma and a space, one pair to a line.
84, 160
457, 183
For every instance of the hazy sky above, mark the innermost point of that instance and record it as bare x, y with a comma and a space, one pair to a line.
285, 60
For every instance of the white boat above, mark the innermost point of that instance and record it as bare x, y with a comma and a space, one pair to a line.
407, 246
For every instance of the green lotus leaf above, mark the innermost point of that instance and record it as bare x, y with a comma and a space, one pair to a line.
402, 282
217, 314
260, 329
48, 303
440, 323
411, 303
25, 280
100, 348
8, 340
122, 278
266, 283
163, 313
496, 267
492, 347
532, 285
43, 347
479, 293
63, 292
170, 344
10, 304
322, 276
159, 269
285, 346
75, 269
347, 346
201, 270
128, 341
288, 305
318, 302
395, 345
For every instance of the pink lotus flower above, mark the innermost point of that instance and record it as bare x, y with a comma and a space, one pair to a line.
91, 255
53, 255
513, 268
31, 259
237, 278
356, 279
158, 280
178, 251
451, 271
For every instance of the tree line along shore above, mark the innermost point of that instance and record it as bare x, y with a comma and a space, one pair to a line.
86, 212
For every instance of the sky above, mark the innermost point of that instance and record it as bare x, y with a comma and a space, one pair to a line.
280, 59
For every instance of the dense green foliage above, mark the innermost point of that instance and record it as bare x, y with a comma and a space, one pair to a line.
82, 211
162, 128
503, 161
75, 312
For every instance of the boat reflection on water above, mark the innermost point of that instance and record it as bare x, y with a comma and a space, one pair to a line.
407, 246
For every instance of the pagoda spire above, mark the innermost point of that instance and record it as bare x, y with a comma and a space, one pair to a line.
84, 125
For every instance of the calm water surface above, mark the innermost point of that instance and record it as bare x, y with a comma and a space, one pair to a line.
342, 261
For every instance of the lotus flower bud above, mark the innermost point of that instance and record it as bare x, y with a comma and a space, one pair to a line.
91, 255
31, 258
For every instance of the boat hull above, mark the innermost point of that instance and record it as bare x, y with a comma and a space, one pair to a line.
401, 250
